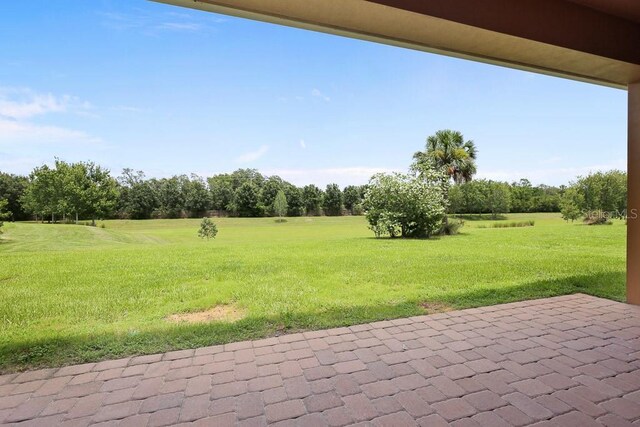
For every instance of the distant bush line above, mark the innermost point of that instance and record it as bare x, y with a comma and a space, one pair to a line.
87, 191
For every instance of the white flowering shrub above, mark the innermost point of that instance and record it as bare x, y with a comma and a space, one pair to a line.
399, 205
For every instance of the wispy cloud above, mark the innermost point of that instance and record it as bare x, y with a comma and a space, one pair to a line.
152, 24
128, 109
303, 144
319, 95
22, 103
19, 108
180, 26
252, 156
19, 132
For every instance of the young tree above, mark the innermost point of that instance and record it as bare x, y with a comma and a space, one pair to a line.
404, 205
498, 196
280, 205
270, 189
208, 229
571, 204
42, 196
333, 200
100, 193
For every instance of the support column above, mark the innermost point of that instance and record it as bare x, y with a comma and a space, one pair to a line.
633, 197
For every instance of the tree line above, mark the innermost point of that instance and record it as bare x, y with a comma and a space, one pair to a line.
69, 191
84, 190
482, 196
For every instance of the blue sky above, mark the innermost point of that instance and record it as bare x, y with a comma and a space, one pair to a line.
170, 90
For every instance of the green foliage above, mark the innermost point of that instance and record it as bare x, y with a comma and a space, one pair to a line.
4, 213
353, 198
294, 200
197, 198
596, 197
597, 218
221, 190
521, 197
513, 224
312, 198
270, 189
480, 196
138, 198
333, 200
604, 191
448, 150
404, 205
280, 205
12, 188
82, 189
451, 227
571, 204
246, 200
208, 229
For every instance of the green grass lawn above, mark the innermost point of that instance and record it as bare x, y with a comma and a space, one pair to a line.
73, 294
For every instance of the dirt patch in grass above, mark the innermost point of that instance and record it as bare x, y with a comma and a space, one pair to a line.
433, 307
219, 313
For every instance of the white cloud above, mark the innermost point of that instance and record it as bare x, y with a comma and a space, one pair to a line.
252, 156
22, 103
19, 108
15, 131
152, 24
303, 144
551, 176
355, 175
180, 26
317, 94
128, 109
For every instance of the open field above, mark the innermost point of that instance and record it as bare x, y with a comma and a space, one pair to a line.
72, 294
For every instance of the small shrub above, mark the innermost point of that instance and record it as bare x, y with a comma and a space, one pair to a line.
513, 224
597, 220
208, 229
452, 227
358, 209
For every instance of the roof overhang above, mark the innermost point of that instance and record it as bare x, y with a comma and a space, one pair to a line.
596, 41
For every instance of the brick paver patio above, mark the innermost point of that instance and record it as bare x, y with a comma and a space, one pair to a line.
564, 361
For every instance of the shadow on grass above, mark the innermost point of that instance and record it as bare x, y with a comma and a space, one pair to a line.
80, 349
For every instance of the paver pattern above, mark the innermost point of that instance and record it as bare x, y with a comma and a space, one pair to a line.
563, 361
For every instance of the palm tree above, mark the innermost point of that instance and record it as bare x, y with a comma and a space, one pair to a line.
448, 150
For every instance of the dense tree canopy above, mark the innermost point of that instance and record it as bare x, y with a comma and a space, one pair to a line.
600, 194
333, 200
4, 213
88, 191
12, 187
80, 189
